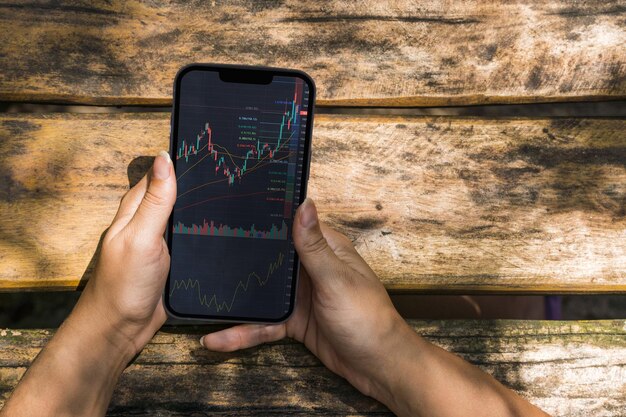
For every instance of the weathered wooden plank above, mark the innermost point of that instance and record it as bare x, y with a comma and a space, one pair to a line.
433, 204
567, 368
400, 53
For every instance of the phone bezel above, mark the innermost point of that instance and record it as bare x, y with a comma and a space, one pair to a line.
226, 68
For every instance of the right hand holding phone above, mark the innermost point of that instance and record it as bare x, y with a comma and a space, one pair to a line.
343, 313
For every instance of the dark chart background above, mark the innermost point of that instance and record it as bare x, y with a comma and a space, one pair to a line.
238, 157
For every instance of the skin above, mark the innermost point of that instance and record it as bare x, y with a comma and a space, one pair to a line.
343, 316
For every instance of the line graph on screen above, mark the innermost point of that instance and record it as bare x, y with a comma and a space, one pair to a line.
210, 301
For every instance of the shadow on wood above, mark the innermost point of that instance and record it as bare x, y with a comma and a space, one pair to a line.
136, 170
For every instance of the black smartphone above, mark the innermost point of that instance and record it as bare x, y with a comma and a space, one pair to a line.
241, 148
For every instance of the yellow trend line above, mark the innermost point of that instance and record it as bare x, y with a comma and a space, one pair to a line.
227, 152
189, 169
202, 299
259, 165
231, 156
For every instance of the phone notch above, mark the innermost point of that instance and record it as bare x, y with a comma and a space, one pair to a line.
234, 75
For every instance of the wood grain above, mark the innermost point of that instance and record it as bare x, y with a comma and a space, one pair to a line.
432, 204
566, 368
370, 53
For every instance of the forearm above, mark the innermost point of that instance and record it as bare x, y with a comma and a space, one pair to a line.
425, 380
75, 374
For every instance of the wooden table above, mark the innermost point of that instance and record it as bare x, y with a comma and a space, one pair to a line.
434, 204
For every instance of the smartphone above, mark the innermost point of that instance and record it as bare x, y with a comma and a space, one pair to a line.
241, 148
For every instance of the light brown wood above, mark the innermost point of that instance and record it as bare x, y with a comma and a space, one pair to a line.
566, 368
397, 53
432, 204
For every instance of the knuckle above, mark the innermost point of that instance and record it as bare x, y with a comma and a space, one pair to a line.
107, 240
343, 248
112, 244
239, 342
345, 243
344, 240
267, 333
343, 252
316, 245
263, 334
339, 240
153, 199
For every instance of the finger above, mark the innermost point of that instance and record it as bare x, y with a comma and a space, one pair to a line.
336, 240
129, 203
315, 254
156, 205
243, 336
297, 325
345, 251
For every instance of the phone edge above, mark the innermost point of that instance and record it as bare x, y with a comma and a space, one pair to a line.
307, 166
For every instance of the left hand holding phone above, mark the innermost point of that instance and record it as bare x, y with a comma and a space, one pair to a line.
117, 314
134, 261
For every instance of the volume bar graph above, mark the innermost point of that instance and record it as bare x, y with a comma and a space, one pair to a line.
211, 229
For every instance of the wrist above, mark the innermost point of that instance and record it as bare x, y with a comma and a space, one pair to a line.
84, 359
101, 325
403, 349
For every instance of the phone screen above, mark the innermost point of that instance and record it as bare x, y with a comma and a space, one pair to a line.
241, 148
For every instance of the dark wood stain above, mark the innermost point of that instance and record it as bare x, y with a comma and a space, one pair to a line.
17, 127
363, 223
489, 52
57, 7
535, 78
598, 9
549, 157
361, 18
426, 221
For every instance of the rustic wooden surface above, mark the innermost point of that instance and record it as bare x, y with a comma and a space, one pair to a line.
398, 53
567, 368
433, 204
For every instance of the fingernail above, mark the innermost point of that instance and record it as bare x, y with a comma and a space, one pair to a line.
161, 166
308, 213
202, 341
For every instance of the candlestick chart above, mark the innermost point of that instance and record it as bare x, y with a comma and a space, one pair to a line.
248, 153
238, 156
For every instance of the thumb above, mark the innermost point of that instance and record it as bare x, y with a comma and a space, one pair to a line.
156, 205
316, 255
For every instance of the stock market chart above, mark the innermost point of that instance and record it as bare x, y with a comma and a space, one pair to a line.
239, 154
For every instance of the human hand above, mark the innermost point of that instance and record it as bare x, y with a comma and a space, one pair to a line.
343, 313
126, 288
117, 314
